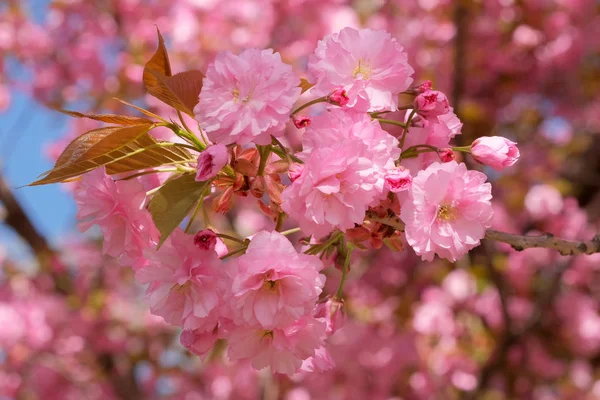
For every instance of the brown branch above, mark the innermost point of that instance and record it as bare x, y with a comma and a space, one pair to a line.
517, 242
548, 241
17, 219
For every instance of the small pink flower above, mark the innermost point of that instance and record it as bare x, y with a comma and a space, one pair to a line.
495, 151
198, 342
398, 179
247, 98
282, 349
118, 208
423, 87
446, 154
301, 121
447, 211
338, 97
369, 64
274, 285
295, 170
206, 239
431, 103
184, 282
211, 161
333, 313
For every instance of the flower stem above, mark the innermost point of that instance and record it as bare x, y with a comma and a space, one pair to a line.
340, 289
405, 132
310, 103
279, 223
264, 152
290, 231
232, 238
234, 252
391, 122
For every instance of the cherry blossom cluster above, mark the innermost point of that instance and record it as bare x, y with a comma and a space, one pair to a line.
269, 302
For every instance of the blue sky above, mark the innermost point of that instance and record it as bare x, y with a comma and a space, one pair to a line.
26, 128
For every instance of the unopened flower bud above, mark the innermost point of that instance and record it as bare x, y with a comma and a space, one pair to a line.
496, 151
210, 162
339, 97
398, 179
302, 121
206, 239
432, 103
295, 171
446, 154
334, 313
423, 87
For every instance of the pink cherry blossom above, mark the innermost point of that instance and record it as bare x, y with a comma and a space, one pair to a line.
117, 207
206, 239
302, 121
338, 97
398, 179
447, 211
496, 151
369, 64
274, 285
184, 282
247, 98
210, 161
282, 349
431, 103
446, 154
198, 342
434, 134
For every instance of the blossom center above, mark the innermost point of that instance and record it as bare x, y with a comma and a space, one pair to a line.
236, 96
446, 212
363, 70
182, 288
270, 284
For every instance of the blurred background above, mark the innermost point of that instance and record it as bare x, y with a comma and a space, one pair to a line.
499, 324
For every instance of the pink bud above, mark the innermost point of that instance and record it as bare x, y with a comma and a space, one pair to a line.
210, 162
423, 87
302, 121
334, 313
295, 171
339, 97
495, 151
431, 104
398, 179
206, 239
446, 154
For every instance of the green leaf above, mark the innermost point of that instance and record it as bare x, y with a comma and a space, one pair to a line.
122, 149
173, 202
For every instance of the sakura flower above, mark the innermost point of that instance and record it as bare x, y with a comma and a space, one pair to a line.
246, 98
447, 211
543, 201
184, 282
369, 64
198, 342
302, 121
446, 154
398, 179
430, 104
206, 239
210, 162
339, 97
437, 134
273, 284
495, 151
117, 207
346, 158
281, 349
334, 190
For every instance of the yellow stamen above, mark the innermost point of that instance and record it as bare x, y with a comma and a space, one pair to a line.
446, 213
362, 71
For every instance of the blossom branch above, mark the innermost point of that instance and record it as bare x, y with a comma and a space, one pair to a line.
518, 242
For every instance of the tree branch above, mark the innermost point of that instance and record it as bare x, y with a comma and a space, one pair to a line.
518, 242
